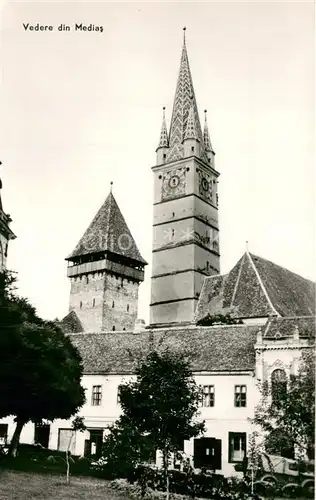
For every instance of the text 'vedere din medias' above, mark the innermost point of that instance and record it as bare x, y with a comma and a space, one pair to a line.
62, 27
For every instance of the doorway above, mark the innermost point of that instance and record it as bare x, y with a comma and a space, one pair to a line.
93, 445
41, 434
208, 453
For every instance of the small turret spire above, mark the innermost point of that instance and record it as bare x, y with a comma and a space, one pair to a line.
184, 30
206, 135
164, 140
111, 186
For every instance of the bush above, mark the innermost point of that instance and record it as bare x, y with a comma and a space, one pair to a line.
190, 484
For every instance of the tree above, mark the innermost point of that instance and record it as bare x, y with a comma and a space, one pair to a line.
40, 369
125, 447
286, 413
162, 403
218, 319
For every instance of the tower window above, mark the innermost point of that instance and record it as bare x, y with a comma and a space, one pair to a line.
192, 148
172, 232
87, 279
113, 328
112, 304
173, 214
80, 304
207, 265
127, 307
93, 303
164, 156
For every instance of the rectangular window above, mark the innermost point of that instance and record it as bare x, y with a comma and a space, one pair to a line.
208, 395
96, 395
240, 395
237, 446
67, 440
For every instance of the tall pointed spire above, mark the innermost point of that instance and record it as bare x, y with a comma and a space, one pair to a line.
184, 99
206, 135
164, 140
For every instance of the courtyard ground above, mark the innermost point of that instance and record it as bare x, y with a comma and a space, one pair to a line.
16, 485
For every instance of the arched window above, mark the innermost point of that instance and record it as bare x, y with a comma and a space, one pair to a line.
80, 304
93, 303
113, 328
112, 303
127, 307
278, 384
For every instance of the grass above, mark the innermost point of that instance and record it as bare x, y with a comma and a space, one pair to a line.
16, 485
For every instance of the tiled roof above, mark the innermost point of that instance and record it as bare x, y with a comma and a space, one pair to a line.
256, 287
108, 232
71, 323
218, 348
286, 327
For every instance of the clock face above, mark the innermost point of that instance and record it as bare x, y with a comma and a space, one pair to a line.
173, 183
205, 186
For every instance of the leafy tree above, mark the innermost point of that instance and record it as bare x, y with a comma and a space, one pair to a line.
286, 414
40, 369
125, 448
218, 319
163, 403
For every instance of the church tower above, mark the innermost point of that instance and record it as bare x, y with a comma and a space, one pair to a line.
185, 226
105, 270
5, 234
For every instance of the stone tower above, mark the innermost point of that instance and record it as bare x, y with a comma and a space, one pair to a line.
5, 234
105, 271
185, 226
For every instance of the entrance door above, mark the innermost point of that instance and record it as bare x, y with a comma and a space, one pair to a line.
93, 446
208, 453
41, 434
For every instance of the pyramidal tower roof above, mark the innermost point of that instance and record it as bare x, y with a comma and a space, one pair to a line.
108, 232
164, 140
183, 101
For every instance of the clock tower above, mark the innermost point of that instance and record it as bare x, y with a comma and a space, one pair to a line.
185, 226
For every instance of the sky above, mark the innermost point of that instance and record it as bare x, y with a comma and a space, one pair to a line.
80, 109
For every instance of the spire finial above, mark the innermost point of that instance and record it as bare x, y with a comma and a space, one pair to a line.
163, 112
205, 114
247, 246
184, 30
111, 184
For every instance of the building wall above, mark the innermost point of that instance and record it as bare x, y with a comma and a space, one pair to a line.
220, 420
3, 251
103, 301
182, 215
121, 293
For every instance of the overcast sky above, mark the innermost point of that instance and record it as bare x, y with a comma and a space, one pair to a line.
81, 109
